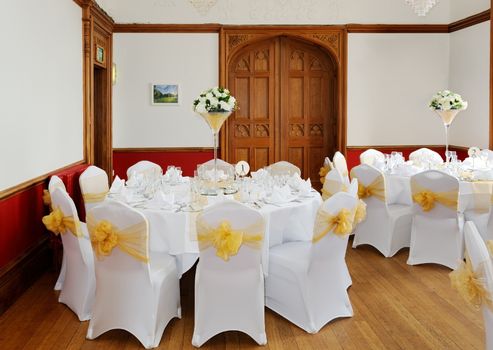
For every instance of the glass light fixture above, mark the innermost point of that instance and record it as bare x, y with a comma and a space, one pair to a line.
203, 6
421, 7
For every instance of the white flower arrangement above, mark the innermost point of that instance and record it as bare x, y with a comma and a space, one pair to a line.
446, 100
216, 99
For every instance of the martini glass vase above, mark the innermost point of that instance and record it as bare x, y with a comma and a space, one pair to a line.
215, 120
447, 117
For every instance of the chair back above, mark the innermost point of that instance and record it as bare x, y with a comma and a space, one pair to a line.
225, 167
340, 164
94, 186
73, 242
283, 168
330, 242
144, 167
425, 155
371, 156
230, 237
371, 185
475, 202
353, 188
120, 242
333, 183
435, 194
55, 182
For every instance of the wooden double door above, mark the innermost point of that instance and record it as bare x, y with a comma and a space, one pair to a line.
286, 92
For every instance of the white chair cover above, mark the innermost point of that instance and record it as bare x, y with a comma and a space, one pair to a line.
334, 182
307, 281
425, 155
56, 182
225, 167
137, 296
77, 289
387, 227
353, 188
340, 164
283, 168
94, 187
144, 167
229, 295
371, 156
436, 235
482, 263
475, 203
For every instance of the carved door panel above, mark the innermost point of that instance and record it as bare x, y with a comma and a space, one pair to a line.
251, 129
307, 111
285, 92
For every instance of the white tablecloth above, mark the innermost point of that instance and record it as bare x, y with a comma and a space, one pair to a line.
174, 232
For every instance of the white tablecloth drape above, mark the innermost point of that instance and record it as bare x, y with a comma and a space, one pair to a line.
174, 232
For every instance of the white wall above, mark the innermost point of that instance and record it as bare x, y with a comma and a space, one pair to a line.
191, 60
469, 76
391, 78
275, 11
41, 88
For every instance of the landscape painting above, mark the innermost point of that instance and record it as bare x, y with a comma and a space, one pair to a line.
165, 94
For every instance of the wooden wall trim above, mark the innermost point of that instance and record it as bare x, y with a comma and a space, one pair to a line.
19, 275
470, 21
166, 28
397, 28
163, 149
33, 182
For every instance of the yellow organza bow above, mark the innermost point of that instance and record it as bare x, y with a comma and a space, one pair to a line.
331, 187
226, 240
427, 198
105, 237
471, 285
58, 223
94, 197
375, 189
323, 171
360, 214
47, 198
340, 224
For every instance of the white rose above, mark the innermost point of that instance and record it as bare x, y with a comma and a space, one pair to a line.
214, 101
224, 105
209, 95
200, 108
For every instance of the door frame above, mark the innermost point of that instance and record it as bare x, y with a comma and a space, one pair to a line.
331, 39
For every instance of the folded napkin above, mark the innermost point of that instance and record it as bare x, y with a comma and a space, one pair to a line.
161, 201
117, 185
405, 170
280, 195
172, 175
135, 180
260, 174
305, 188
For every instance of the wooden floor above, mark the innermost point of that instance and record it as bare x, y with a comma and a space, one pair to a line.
396, 306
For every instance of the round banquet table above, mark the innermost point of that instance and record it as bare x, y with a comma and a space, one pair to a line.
174, 232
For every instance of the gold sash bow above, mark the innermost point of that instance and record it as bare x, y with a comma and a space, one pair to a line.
323, 171
94, 197
360, 214
226, 240
375, 189
427, 198
47, 198
471, 285
58, 223
105, 237
340, 224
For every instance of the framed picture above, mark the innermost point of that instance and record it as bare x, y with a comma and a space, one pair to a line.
165, 94
99, 54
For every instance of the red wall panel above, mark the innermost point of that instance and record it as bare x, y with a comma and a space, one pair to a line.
21, 214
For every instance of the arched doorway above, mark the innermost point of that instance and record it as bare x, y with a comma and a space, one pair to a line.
288, 92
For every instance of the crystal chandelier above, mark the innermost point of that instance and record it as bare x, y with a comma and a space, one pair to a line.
421, 7
203, 6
